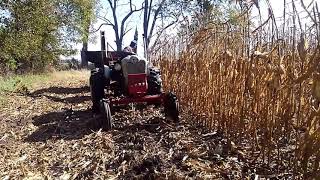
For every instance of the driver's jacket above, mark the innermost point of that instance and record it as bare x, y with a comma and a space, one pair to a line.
128, 49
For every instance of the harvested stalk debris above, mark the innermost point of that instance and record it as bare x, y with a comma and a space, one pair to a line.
44, 135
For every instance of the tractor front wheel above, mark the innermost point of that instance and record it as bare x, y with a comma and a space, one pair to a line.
154, 82
106, 117
171, 106
96, 89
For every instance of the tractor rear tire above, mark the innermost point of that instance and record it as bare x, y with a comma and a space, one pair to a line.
154, 82
106, 117
171, 106
97, 83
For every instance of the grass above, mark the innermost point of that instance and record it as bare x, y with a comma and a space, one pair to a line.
17, 83
24, 83
10, 84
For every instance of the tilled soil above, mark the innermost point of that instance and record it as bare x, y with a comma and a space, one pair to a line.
49, 133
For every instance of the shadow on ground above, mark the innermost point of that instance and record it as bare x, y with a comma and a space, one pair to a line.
63, 94
69, 100
67, 124
61, 90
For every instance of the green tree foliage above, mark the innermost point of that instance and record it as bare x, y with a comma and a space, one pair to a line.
34, 33
76, 16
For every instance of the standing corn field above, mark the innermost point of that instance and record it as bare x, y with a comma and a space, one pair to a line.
257, 86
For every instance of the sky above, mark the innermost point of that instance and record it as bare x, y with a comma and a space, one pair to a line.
277, 6
137, 20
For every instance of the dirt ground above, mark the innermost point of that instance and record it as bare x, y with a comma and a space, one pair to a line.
48, 133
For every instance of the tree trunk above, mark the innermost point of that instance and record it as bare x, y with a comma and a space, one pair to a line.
84, 61
119, 45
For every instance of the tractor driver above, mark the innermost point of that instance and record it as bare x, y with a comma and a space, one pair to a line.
132, 48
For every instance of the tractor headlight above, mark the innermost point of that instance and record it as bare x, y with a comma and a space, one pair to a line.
117, 67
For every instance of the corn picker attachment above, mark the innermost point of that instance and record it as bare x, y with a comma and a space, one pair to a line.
122, 78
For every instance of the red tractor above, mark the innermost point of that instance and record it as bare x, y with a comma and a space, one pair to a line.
121, 78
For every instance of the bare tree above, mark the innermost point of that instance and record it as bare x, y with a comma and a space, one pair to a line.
119, 26
153, 12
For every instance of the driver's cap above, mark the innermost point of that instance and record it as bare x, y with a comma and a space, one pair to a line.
134, 43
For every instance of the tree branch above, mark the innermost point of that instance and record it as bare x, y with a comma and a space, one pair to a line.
126, 31
309, 14
161, 31
127, 16
145, 19
105, 19
154, 20
110, 3
103, 24
149, 11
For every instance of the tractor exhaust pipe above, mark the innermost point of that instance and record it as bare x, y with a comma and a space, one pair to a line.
103, 49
